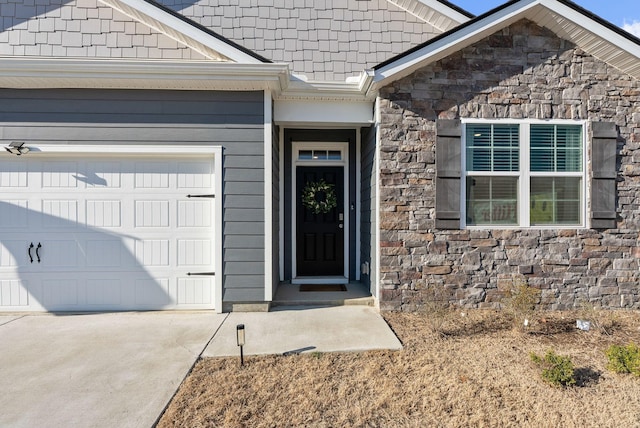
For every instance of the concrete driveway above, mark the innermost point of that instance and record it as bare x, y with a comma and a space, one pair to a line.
98, 370
121, 369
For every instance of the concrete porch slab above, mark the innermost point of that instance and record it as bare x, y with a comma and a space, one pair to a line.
304, 329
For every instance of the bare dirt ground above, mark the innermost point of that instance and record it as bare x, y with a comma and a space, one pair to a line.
472, 370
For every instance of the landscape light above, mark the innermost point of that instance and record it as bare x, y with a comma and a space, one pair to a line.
240, 341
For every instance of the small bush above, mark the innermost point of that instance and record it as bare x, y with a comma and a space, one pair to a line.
556, 369
624, 359
520, 301
436, 308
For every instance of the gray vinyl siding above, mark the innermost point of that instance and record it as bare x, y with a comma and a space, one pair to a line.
233, 120
368, 205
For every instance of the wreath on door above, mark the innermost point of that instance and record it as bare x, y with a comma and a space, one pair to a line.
319, 197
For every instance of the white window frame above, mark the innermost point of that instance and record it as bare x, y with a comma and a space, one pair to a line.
524, 174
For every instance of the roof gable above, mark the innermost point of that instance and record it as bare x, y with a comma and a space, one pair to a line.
594, 35
108, 29
328, 40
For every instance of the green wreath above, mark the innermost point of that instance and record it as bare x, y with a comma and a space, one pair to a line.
319, 197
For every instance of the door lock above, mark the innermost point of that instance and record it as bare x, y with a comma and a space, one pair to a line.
341, 226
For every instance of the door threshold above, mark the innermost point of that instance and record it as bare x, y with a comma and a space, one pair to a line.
320, 280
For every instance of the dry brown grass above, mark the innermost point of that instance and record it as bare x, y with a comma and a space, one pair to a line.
475, 371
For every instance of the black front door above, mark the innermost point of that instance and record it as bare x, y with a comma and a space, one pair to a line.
320, 235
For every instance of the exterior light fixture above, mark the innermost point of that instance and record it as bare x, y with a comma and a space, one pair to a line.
240, 341
17, 148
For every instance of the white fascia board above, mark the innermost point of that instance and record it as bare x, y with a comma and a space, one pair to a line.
591, 26
452, 43
160, 20
323, 113
22, 72
432, 12
446, 11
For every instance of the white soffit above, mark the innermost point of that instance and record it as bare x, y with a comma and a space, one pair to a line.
181, 31
588, 34
433, 12
39, 73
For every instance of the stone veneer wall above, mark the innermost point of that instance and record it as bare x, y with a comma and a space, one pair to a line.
523, 71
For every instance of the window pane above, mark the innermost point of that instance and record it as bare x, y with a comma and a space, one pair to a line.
492, 200
556, 148
555, 200
305, 154
335, 155
492, 147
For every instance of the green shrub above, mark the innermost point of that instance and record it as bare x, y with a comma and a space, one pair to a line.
556, 369
624, 359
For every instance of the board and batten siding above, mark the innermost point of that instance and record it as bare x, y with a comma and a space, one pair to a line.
368, 199
233, 120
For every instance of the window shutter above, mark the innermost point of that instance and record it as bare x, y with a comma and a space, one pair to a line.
603, 182
448, 172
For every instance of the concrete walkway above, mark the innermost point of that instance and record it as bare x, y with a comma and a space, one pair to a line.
303, 329
121, 369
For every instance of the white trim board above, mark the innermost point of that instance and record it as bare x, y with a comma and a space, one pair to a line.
268, 199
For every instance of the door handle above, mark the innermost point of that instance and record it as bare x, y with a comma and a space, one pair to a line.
38, 251
341, 225
29, 252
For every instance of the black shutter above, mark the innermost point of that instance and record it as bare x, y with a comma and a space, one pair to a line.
448, 172
603, 182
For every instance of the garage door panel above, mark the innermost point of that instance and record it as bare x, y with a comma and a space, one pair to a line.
57, 175
58, 254
152, 175
14, 175
101, 213
12, 253
59, 213
195, 252
195, 213
101, 175
104, 253
200, 175
194, 291
59, 293
12, 293
152, 213
14, 214
104, 292
152, 293
152, 252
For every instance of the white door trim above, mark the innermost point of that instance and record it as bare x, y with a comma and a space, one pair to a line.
295, 162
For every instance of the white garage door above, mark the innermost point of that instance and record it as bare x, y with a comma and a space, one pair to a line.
96, 232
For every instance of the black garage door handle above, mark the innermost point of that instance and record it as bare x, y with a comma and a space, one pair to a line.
38, 251
29, 252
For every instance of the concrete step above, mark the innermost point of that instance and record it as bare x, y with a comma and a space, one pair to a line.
290, 295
